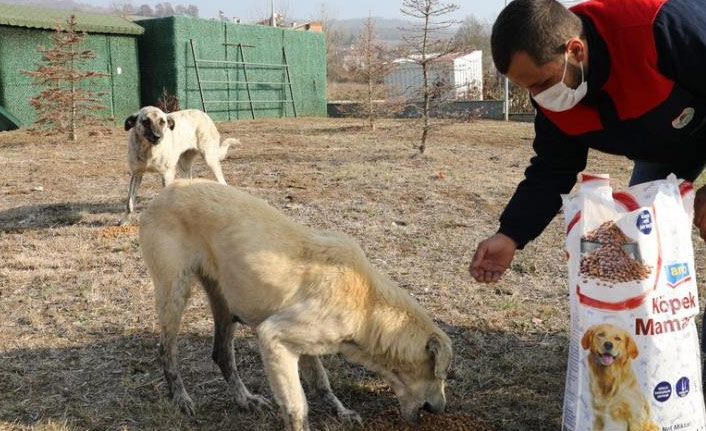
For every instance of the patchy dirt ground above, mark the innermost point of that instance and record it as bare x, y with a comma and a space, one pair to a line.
77, 324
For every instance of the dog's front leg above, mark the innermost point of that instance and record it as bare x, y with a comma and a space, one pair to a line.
315, 375
135, 181
223, 348
282, 368
168, 176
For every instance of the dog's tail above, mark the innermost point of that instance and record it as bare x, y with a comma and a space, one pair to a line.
225, 144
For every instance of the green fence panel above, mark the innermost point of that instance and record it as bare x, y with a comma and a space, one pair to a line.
18, 52
124, 70
157, 60
222, 73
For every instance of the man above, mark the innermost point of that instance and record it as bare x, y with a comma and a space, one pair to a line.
622, 77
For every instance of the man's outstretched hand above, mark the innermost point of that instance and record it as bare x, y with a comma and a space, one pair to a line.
493, 256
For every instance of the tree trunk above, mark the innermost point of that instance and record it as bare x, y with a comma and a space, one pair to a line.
425, 75
371, 114
425, 110
72, 125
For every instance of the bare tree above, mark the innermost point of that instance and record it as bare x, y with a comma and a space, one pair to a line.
66, 102
334, 44
145, 10
167, 102
474, 34
163, 9
425, 47
123, 7
372, 68
192, 10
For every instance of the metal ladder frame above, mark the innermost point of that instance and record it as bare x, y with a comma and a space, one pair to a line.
247, 82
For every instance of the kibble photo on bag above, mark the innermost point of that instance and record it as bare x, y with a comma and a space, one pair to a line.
634, 361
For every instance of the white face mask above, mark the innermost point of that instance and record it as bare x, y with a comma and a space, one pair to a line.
559, 97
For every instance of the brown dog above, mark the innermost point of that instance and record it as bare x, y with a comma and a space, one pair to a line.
616, 395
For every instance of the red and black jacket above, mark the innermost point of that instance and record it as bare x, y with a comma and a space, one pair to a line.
646, 100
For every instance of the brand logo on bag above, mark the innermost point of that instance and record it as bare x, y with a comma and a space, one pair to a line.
644, 222
677, 274
684, 118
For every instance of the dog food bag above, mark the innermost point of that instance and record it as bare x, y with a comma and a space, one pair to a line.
634, 361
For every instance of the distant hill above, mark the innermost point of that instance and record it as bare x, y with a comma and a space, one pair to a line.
59, 4
387, 30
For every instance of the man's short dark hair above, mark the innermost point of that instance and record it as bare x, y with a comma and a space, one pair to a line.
538, 27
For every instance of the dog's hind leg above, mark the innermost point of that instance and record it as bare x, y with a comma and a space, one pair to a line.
211, 159
186, 161
282, 368
223, 348
315, 375
171, 296
225, 144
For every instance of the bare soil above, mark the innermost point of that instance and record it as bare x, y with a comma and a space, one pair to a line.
78, 334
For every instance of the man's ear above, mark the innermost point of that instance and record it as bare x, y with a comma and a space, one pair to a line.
170, 122
577, 47
441, 353
130, 121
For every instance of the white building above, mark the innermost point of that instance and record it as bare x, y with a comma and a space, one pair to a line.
456, 75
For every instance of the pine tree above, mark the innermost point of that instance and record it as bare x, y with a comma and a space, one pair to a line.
426, 48
66, 102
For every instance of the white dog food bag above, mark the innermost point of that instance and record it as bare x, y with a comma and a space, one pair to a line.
634, 361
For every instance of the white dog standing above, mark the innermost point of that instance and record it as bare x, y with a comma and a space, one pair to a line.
159, 142
305, 292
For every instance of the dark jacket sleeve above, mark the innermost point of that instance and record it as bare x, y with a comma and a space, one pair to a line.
552, 171
680, 38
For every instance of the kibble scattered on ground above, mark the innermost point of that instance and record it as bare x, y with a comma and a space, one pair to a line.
389, 420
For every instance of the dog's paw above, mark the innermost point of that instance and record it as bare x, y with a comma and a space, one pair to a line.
252, 402
349, 416
184, 403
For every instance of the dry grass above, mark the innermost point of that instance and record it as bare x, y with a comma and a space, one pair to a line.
77, 324
350, 90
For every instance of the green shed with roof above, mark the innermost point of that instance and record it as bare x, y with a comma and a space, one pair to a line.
231, 70
112, 38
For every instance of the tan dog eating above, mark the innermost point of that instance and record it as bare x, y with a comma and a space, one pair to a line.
306, 293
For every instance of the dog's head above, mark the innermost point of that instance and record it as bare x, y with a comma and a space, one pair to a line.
420, 383
150, 123
608, 344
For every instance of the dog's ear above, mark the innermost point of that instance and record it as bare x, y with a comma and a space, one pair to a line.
441, 353
170, 122
631, 347
587, 338
130, 121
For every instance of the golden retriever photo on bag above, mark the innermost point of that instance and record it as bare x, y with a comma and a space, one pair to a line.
615, 394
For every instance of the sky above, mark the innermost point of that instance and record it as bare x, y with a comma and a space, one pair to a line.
250, 10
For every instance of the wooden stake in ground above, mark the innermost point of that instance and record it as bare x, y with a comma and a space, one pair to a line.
425, 47
66, 102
